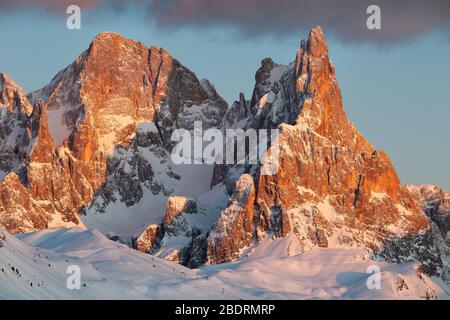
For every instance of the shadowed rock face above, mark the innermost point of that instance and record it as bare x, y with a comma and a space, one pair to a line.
176, 206
2, 238
15, 128
93, 106
436, 204
19, 210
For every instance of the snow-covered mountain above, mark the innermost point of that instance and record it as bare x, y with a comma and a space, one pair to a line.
332, 189
100, 140
92, 149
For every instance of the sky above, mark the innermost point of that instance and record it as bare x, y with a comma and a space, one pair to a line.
395, 81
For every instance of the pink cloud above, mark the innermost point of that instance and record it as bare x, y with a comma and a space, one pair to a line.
345, 19
401, 19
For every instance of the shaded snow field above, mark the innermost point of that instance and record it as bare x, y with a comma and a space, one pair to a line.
108, 269
33, 266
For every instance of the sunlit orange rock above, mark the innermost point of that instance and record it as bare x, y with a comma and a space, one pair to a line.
332, 187
88, 109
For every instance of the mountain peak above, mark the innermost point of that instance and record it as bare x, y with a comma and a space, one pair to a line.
95, 106
4, 77
111, 44
116, 40
316, 43
109, 36
12, 95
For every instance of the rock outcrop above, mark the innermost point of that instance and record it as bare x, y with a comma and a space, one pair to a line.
2, 238
436, 204
147, 239
234, 229
20, 212
176, 206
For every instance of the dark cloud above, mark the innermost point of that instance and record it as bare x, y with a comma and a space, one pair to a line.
346, 19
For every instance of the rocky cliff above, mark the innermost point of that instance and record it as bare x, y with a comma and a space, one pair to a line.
331, 187
93, 131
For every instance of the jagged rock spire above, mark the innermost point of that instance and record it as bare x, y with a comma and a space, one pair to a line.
12, 96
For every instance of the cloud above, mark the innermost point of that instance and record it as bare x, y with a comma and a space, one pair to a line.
56, 7
345, 19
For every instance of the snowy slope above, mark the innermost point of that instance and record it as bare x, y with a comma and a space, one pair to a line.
36, 273
126, 273
274, 270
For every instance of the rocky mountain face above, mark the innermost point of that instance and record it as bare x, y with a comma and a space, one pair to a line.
15, 130
20, 128
331, 189
93, 130
93, 148
332, 186
432, 247
436, 204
